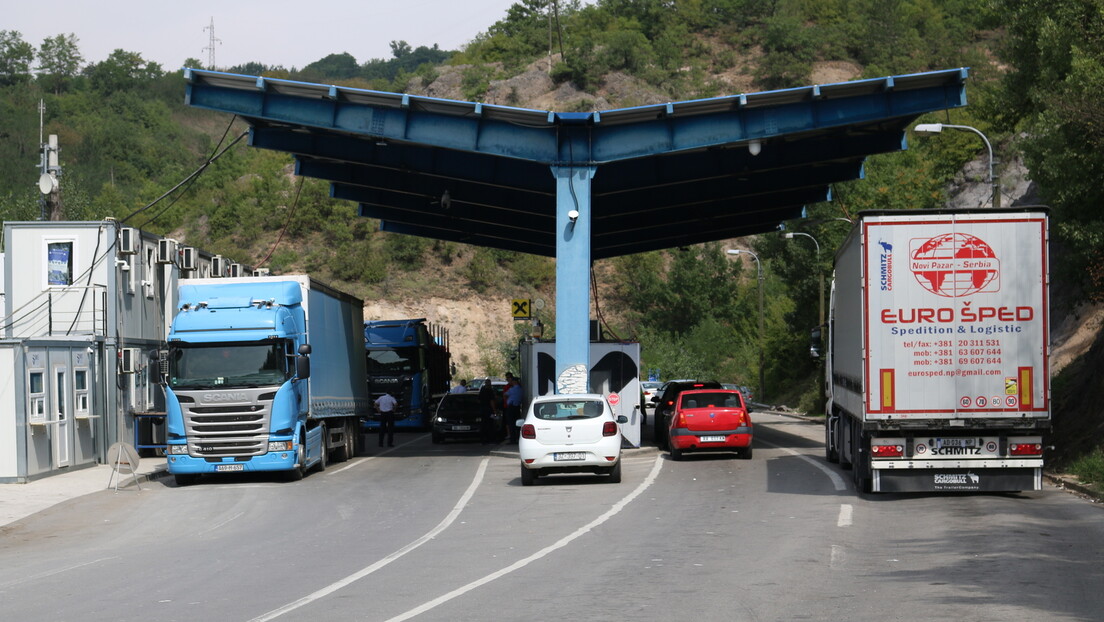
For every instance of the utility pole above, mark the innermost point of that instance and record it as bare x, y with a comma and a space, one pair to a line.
49, 171
210, 49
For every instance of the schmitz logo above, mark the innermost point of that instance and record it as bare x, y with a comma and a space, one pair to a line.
885, 267
955, 265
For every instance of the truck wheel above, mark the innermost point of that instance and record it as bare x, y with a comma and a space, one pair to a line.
296, 473
185, 479
324, 453
528, 477
347, 451
831, 451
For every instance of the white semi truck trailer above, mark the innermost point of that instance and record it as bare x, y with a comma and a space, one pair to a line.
937, 366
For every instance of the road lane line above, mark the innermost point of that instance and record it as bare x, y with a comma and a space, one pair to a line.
837, 481
50, 573
220, 525
360, 574
559, 544
844, 515
836, 559
387, 451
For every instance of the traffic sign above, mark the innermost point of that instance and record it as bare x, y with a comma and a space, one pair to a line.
521, 309
614, 399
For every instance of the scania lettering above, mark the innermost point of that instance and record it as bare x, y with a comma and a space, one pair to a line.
263, 374
942, 382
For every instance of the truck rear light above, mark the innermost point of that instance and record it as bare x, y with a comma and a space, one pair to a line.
887, 451
528, 431
609, 428
1025, 449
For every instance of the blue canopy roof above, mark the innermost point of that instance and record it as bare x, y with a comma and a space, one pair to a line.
663, 175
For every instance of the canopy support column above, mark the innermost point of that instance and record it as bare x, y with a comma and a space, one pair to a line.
573, 277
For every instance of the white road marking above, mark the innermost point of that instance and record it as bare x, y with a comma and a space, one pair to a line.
837, 481
837, 556
388, 450
844, 515
218, 525
43, 575
360, 574
562, 542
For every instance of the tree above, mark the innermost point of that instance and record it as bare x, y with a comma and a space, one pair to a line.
15, 58
59, 61
122, 71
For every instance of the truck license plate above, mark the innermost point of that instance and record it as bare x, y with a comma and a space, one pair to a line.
229, 467
956, 442
569, 455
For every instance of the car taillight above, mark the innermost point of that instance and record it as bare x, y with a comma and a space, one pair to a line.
887, 451
680, 420
528, 431
609, 428
1025, 449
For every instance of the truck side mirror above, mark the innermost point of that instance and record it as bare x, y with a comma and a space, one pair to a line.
814, 342
305, 349
302, 362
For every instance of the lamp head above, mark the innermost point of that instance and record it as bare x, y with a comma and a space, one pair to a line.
928, 128
573, 215
754, 147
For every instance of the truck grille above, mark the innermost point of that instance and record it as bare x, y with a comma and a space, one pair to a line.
221, 424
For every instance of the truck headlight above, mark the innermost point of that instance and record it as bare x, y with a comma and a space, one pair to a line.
177, 450
279, 445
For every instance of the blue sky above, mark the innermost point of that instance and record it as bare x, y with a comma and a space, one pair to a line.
273, 32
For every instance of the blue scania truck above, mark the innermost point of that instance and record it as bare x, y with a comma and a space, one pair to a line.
409, 359
263, 374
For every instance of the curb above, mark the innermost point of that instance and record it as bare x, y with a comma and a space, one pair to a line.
1074, 486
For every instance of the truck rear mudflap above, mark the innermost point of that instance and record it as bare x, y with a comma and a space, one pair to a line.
957, 479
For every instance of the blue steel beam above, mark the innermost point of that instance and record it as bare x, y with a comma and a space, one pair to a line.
471, 127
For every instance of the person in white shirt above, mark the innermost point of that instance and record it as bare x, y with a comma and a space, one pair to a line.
385, 405
460, 388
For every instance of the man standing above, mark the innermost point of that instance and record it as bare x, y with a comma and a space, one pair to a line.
489, 410
385, 405
514, 396
460, 388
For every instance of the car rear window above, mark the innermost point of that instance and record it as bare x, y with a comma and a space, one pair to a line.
715, 400
574, 409
459, 402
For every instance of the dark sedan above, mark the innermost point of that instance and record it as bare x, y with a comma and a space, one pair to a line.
458, 416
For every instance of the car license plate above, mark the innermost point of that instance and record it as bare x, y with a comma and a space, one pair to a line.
229, 467
712, 439
955, 442
461, 428
569, 455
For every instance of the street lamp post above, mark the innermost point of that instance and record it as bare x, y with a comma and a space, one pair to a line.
936, 128
762, 382
789, 235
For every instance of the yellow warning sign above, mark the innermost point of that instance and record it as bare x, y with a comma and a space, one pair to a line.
521, 309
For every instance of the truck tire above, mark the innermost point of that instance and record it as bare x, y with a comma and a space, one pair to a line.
831, 450
347, 451
844, 443
324, 451
297, 472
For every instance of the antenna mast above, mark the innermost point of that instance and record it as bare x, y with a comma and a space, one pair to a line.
210, 49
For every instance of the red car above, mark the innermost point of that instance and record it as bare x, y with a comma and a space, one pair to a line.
710, 420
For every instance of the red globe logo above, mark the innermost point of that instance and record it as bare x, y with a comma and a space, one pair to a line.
955, 264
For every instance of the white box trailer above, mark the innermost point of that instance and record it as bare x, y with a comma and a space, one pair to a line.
937, 366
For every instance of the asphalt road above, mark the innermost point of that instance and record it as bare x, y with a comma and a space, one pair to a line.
447, 532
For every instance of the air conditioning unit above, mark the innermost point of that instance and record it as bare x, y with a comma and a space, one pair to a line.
166, 250
235, 270
128, 241
131, 359
188, 258
218, 266
260, 272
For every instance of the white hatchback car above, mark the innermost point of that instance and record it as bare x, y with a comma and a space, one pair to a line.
570, 434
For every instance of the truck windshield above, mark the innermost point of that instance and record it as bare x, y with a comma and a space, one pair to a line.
227, 365
393, 361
